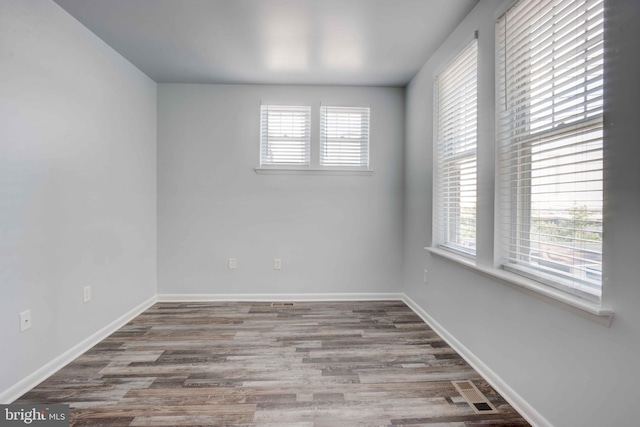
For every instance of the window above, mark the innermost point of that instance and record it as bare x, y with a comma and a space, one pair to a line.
455, 152
344, 137
550, 91
285, 135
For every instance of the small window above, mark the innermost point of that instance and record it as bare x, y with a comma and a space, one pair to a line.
455, 166
344, 137
285, 135
550, 134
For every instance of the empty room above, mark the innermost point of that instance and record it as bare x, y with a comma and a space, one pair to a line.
318, 213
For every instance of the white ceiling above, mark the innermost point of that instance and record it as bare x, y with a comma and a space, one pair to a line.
338, 42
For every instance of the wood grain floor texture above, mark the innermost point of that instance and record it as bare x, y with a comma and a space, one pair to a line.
316, 364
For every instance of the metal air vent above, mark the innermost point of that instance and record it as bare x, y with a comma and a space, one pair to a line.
478, 402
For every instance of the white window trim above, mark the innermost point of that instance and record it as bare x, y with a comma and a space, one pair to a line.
546, 283
284, 143
363, 129
311, 171
439, 217
486, 264
314, 168
591, 310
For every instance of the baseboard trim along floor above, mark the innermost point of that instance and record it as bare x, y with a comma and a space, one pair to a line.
280, 297
35, 378
514, 399
312, 363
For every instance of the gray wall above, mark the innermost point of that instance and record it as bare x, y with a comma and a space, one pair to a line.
78, 207
333, 233
77, 184
574, 371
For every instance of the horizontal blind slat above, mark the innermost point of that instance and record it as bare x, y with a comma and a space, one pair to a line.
455, 152
285, 135
549, 129
344, 136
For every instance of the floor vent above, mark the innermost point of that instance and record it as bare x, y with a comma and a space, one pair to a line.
282, 304
474, 398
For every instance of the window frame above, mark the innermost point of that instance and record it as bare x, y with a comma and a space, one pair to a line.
519, 191
443, 220
265, 138
365, 134
487, 263
313, 167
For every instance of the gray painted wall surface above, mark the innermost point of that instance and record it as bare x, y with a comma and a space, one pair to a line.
572, 370
77, 184
78, 207
333, 233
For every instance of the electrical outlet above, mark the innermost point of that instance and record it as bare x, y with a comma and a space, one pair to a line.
25, 320
233, 263
424, 276
277, 264
86, 294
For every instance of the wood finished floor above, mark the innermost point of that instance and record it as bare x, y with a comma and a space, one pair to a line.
328, 364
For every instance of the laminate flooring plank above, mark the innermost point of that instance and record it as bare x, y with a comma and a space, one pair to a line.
253, 364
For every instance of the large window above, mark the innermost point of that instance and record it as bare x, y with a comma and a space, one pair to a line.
285, 135
455, 152
550, 91
344, 136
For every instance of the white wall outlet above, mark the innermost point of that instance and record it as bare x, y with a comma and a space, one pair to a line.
86, 294
233, 264
424, 276
277, 264
25, 320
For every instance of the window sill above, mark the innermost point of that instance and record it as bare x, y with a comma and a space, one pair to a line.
311, 171
588, 309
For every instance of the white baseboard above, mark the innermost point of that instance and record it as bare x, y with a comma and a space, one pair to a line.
281, 297
32, 380
514, 399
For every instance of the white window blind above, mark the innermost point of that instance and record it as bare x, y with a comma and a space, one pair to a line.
455, 151
285, 135
550, 86
344, 136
